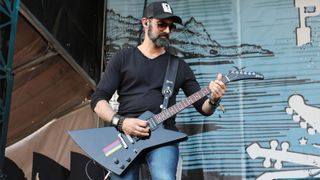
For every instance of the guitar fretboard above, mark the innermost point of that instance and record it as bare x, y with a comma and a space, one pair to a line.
167, 113
171, 111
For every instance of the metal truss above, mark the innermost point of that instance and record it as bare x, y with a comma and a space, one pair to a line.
8, 25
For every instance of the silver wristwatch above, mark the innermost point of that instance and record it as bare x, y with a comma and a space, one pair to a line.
115, 119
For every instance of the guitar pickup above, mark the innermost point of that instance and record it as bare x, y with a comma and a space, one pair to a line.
152, 123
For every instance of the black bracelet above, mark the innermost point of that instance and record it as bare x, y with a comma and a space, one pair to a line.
120, 123
214, 104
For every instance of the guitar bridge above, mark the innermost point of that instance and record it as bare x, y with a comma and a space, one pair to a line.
122, 141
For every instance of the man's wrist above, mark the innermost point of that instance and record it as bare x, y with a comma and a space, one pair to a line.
120, 124
214, 103
117, 121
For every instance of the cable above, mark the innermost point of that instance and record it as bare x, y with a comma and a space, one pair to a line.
86, 169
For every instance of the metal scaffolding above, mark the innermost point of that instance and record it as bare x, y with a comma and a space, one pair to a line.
8, 25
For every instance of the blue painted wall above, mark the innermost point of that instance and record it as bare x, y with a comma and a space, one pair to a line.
260, 36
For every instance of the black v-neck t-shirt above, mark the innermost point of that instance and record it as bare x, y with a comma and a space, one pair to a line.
138, 81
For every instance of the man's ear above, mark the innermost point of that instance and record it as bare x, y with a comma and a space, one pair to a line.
145, 22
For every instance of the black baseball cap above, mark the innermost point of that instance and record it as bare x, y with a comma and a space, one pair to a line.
161, 10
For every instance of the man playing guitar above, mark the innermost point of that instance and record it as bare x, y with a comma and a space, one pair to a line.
137, 74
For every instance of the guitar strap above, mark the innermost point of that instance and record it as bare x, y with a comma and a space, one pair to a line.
169, 81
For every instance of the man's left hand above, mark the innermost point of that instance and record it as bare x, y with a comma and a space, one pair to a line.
217, 88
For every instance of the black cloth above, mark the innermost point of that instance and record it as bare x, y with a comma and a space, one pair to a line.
138, 81
46, 168
11, 171
84, 168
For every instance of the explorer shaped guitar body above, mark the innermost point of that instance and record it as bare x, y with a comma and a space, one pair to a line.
115, 150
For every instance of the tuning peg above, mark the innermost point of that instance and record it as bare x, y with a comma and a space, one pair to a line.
274, 144
311, 131
278, 164
303, 124
296, 118
267, 162
284, 146
289, 110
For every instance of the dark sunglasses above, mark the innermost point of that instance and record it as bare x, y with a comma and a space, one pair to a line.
163, 25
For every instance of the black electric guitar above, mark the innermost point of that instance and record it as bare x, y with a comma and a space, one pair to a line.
116, 151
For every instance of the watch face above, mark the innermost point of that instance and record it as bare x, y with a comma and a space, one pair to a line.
115, 120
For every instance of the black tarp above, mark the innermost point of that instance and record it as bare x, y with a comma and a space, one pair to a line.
77, 25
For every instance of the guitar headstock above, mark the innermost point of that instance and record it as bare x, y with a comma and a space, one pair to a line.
304, 114
236, 75
254, 151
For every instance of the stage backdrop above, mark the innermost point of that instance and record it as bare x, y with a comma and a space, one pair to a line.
270, 129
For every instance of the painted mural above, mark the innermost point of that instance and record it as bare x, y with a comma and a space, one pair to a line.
270, 129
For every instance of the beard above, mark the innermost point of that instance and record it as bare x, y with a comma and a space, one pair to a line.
160, 40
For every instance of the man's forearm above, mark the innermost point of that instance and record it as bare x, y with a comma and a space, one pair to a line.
208, 108
104, 110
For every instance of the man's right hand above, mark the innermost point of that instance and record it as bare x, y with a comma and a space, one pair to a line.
135, 127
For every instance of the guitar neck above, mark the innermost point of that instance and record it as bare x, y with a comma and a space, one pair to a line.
171, 111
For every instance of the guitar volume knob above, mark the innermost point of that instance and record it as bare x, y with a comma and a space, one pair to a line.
135, 151
121, 166
116, 161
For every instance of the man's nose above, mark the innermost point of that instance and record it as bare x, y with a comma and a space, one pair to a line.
167, 29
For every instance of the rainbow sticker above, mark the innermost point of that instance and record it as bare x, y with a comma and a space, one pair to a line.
111, 148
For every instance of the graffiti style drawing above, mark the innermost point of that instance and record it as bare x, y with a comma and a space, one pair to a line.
263, 36
303, 141
290, 174
188, 41
306, 115
255, 151
303, 31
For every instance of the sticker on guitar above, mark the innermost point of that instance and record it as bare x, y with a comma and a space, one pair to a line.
255, 151
306, 115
